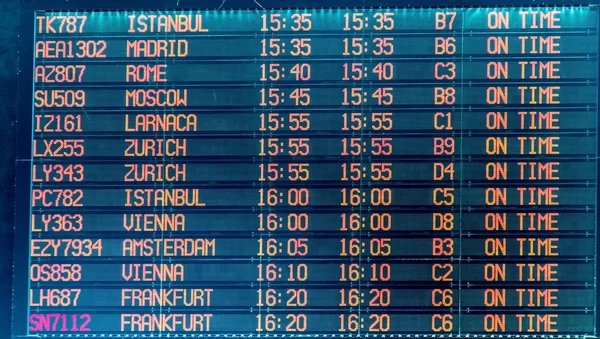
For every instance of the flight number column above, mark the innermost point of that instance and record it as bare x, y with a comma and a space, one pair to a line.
284, 193
57, 145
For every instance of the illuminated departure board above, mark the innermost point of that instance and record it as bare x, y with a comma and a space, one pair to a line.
353, 172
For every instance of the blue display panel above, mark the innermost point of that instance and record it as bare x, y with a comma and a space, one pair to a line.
303, 172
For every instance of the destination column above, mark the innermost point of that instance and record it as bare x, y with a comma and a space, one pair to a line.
159, 198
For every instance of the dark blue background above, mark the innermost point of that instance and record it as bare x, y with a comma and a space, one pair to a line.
14, 12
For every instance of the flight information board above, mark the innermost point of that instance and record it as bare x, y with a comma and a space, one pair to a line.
332, 171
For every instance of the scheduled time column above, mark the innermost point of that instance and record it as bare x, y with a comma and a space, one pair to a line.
283, 291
